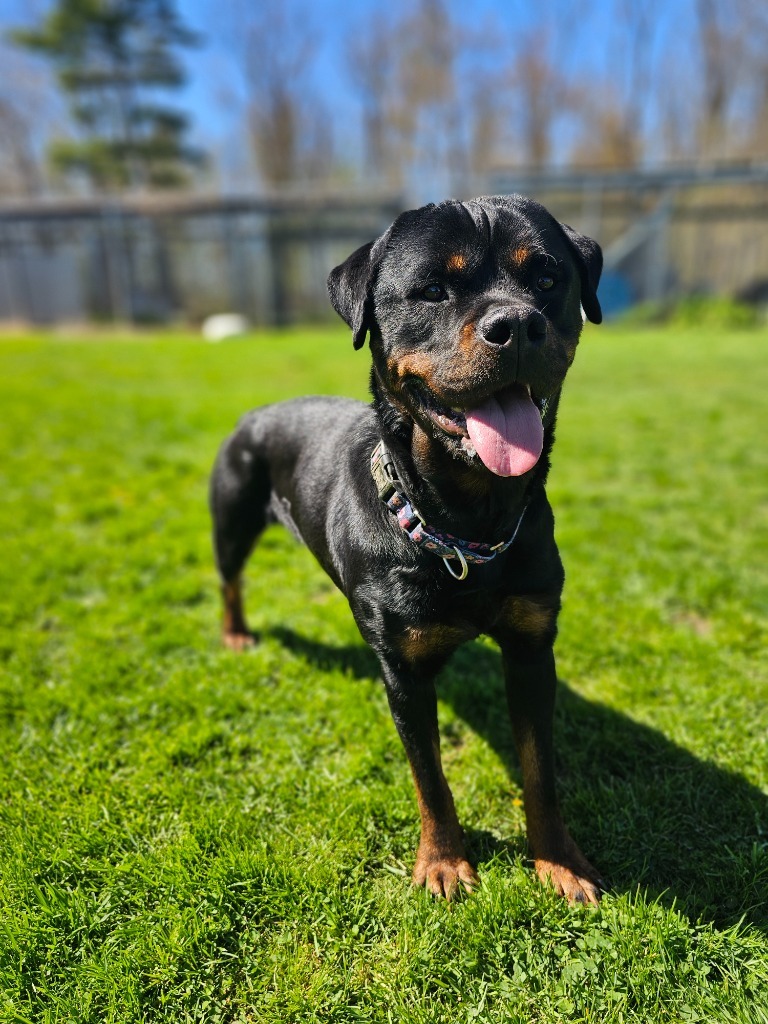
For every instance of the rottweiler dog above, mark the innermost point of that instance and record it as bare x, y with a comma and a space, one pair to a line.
428, 508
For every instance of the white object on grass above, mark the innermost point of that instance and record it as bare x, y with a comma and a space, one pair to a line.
224, 325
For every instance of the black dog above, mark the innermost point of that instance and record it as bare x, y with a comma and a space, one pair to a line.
427, 509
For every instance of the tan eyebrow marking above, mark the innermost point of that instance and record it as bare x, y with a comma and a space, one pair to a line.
456, 261
519, 256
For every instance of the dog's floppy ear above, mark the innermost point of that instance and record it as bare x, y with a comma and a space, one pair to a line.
349, 287
590, 259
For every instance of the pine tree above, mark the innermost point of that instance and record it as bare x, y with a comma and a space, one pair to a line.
112, 57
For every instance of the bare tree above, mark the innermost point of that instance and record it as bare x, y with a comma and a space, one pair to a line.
532, 96
720, 72
613, 112
27, 115
540, 93
753, 19
372, 60
639, 18
288, 125
20, 171
488, 112
404, 72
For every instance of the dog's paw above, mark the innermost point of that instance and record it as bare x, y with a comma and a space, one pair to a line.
575, 879
445, 876
237, 641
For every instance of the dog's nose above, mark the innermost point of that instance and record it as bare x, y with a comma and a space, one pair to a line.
512, 325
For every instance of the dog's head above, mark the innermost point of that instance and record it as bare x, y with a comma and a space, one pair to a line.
474, 311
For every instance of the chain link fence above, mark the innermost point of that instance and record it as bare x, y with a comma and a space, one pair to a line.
163, 259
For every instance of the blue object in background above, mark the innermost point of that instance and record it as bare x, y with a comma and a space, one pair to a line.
614, 293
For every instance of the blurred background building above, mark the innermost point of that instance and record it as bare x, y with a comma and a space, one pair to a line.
162, 160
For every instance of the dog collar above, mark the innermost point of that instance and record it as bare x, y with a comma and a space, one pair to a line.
444, 545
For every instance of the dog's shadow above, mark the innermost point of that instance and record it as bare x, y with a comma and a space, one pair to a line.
647, 812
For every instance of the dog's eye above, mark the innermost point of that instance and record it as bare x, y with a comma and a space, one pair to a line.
434, 293
545, 282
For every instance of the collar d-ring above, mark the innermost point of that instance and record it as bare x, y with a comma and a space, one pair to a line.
464, 567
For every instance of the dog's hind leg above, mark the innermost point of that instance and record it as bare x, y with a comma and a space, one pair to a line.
234, 629
239, 500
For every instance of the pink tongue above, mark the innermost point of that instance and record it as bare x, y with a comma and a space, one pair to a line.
507, 432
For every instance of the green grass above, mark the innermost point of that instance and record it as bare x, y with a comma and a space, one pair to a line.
191, 835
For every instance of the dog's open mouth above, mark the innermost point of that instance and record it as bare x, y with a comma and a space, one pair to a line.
505, 430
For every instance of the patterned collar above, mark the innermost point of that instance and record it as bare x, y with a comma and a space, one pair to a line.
444, 545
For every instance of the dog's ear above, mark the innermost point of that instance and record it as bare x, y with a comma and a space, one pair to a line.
349, 289
589, 256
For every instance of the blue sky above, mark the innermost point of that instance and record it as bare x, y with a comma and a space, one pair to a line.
592, 42
332, 20
592, 52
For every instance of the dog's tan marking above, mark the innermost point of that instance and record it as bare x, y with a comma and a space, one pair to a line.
557, 858
467, 342
577, 880
234, 630
534, 615
430, 458
441, 860
425, 454
419, 642
452, 376
519, 256
456, 261
414, 364
444, 873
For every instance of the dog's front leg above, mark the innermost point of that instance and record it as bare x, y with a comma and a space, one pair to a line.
441, 861
531, 680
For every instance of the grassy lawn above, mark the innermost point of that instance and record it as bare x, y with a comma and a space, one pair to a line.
191, 835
